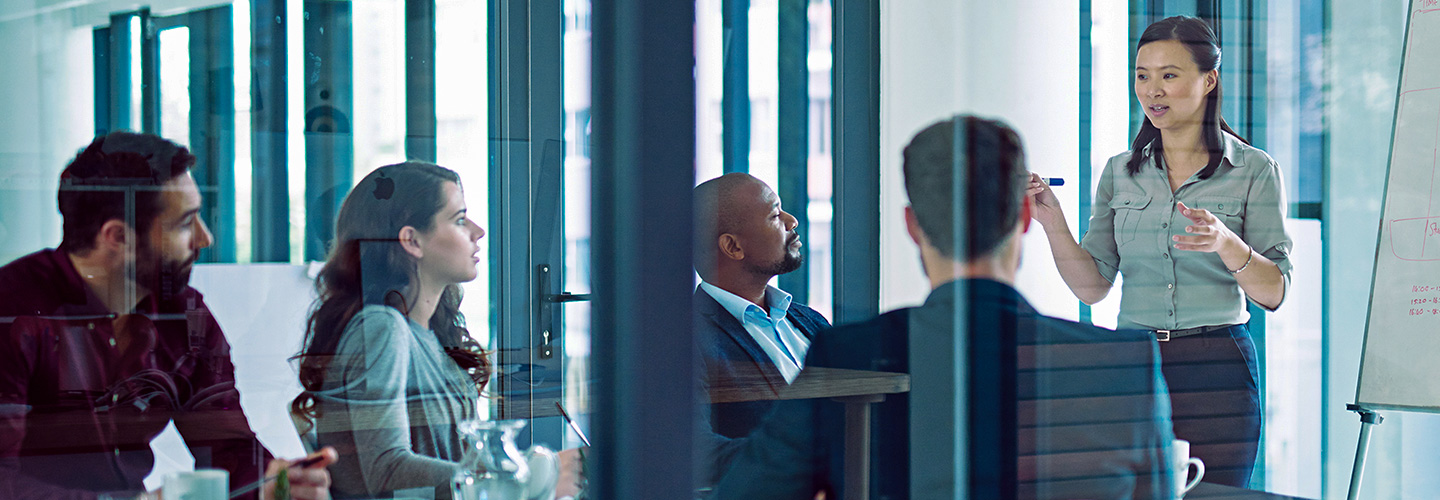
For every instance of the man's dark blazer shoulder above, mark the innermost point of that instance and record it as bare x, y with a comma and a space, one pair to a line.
728, 354
881, 343
798, 450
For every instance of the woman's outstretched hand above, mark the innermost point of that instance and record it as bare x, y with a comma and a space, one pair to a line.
1206, 233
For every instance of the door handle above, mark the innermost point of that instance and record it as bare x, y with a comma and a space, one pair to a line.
562, 297
547, 308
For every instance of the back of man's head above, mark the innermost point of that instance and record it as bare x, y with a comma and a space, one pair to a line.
997, 177
93, 186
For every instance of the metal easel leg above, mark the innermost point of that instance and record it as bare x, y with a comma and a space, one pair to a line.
1368, 419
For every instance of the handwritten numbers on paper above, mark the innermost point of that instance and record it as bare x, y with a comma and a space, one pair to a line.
1428, 297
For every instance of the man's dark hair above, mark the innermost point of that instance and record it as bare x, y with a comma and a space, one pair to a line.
996, 188
94, 184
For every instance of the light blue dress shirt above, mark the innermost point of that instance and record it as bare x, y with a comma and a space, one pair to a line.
785, 345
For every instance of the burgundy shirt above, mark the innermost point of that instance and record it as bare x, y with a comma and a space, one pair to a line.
79, 405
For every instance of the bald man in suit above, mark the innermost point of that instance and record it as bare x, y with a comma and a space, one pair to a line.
745, 328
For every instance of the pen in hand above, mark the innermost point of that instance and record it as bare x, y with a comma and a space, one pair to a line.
571, 423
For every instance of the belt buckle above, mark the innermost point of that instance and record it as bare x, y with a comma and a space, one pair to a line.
1162, 335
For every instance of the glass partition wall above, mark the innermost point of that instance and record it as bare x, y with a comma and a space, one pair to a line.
579, 130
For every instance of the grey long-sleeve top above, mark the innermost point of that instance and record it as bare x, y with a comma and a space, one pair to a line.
390, 406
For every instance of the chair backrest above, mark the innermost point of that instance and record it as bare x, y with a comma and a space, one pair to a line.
1087, 419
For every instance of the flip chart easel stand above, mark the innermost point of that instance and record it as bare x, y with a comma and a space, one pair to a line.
1368, 419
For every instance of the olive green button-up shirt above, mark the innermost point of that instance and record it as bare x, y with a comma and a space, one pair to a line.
1134, 218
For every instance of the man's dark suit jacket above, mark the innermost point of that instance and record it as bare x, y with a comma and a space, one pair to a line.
727, 354
1094, 415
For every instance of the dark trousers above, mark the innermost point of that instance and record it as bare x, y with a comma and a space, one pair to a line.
1215, 397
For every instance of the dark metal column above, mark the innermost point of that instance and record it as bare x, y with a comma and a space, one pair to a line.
116, 75
793, 147
329, 104
857, 159
420, 79
735, 85
212, 124
149, 74
100, 40
269, 151
643, 173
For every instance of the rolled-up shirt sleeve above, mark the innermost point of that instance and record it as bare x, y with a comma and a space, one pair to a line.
1264, 227
1099, 239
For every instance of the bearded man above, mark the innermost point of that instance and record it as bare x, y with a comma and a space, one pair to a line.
103, 343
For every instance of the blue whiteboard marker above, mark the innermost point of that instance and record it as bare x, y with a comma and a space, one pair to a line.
1053, 181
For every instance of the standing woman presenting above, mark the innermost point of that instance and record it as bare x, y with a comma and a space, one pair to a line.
1193, 217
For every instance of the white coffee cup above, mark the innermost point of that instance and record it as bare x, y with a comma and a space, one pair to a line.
202, 484
1181, 462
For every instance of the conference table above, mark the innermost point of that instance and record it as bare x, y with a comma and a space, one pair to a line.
857, 390
1208, 491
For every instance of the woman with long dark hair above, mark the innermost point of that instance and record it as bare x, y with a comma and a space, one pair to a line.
1192, 217
387, 366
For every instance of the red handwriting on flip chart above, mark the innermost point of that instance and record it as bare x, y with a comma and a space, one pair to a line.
1424, 4
1425, 300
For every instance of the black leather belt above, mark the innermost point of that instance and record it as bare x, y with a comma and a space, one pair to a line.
1166, 335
